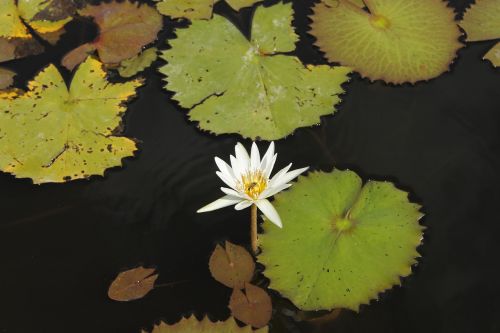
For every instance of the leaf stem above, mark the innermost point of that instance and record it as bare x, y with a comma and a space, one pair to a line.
253, 228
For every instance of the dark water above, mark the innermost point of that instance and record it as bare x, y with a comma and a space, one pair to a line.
62, 245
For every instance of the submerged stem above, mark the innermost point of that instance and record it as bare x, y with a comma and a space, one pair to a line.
253, 228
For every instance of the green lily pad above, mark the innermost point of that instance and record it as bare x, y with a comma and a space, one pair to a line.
342, 242
197, 9
235, 85
137, 64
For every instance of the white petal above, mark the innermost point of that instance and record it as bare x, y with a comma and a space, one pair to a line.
224, 168
280, 173
225, 201
270, 191
238, 169
242, 156
288, 177
270, 166
268, 159
270, 150
234, 193
267, 208
254, 157
243, 205
228, 181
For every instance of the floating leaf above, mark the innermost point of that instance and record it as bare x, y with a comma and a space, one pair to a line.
253, 307
6, 78
197, 9
343, 243
238, 4
190, 9
77, 56
192, 325
46, 16
55, 134
15, 40
132, 66
11, 24
393, 40
132, 284
493, 55
124, 28
482, 22
40, 15
232, 266
14, 48
233, 85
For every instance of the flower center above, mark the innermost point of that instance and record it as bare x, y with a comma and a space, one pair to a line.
253, 183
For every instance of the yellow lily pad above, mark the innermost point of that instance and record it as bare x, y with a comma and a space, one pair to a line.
193, 325
52, 133
482, 22
396, 41
11, 24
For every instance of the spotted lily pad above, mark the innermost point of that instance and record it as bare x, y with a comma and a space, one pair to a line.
197, 9
343, 242
392, 40
11, 25
235, 85
193, 325
482, 22
52, 133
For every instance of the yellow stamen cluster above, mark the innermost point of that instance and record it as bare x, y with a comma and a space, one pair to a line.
253, 183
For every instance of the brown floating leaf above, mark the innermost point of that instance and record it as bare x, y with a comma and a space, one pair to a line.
18, 48
254, 307
124, 28
193, 325
6, 78
54, 36
132, 284
232, 266
77, 56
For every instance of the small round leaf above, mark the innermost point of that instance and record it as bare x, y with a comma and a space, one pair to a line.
132, 284
232, 266
253, 306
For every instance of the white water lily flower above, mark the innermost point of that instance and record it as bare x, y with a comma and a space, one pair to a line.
249, 180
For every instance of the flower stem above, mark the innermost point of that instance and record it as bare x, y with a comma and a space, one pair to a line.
253, 228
